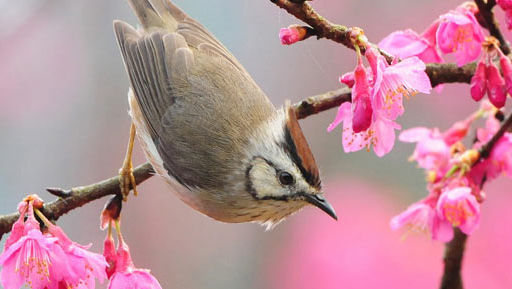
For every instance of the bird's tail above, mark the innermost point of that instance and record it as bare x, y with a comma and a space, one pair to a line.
157, 14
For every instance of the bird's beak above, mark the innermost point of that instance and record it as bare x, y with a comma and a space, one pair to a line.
320, 202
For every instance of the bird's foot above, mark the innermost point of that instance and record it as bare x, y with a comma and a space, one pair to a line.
126, 177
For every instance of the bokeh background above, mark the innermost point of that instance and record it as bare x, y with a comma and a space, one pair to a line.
64, 122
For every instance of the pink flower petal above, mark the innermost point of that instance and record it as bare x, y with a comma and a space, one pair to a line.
495, 86
479, 81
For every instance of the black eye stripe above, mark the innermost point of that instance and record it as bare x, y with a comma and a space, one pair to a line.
290, 148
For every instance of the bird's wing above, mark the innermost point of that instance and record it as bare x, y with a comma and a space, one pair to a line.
191, 91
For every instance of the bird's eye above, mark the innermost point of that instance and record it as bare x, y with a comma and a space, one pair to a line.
286, 179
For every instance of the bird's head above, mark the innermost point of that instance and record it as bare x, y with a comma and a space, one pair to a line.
282, 175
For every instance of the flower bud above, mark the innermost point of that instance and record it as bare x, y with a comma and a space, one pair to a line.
111, 211
495, 86
479, 81
292, 34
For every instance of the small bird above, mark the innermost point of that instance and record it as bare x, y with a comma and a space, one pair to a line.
207, 128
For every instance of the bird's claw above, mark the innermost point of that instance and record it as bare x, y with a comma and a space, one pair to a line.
127, 181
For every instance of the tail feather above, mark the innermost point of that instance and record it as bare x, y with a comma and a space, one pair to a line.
158, 14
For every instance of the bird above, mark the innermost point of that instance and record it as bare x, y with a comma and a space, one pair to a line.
207, 128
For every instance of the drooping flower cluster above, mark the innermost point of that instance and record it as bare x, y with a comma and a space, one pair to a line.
46, 259
456, 32
488, 79
121, 271
455, 176
377, 100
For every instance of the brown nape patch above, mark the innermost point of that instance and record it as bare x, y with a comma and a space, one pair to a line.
298, 148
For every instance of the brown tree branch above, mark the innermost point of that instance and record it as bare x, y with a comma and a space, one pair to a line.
453, 255
489, 22
79, 196
323, 27
76, 197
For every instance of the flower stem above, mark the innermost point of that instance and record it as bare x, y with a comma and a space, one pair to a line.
43, 218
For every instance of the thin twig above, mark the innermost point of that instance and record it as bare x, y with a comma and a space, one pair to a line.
323, 27
453, 255
485, 11
80, 196
486, 149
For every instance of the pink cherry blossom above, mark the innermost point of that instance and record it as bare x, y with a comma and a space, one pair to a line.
460, 208
109, 252
394, 82
432, 152
496, 90
380, 134
459, 33
458, 130
418, 217
127, 276
422, 217
86, 265
506, 5
479, 81
407, 43
18, 227
361, 99
49, 260
348, 79
499, 160
386, 85
289, 35
506, 69
34, 259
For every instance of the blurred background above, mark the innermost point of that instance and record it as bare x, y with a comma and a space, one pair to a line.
64, 122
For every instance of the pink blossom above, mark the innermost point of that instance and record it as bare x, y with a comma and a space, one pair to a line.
380, 134
432, 152
109, 252
85, 264
479, 81
34, 259
499, 160
48, 260
31, 261
418, 217
387, 85
289, 35
508, 18
18, 228
459, 207
407, 43
348, 79
459, 33
506, 5
506, 68
394, 82
496, 90
127, 276
361, 93
458, 130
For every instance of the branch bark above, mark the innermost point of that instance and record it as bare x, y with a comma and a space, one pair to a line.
323, 28
454, 253
489, 22
438, 73
77, 197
